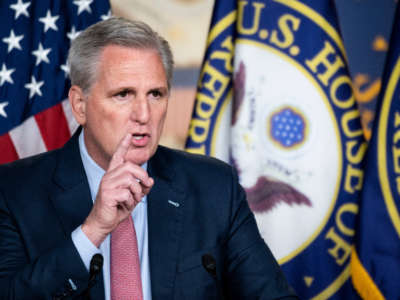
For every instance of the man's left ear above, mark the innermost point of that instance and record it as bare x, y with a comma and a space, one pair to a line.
78, 104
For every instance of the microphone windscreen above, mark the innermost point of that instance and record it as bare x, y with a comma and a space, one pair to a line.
209, 264
96, 263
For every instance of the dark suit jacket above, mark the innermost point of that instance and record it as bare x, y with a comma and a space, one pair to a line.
196, 206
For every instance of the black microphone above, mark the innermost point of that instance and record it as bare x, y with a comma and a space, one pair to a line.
96, 265
210, 265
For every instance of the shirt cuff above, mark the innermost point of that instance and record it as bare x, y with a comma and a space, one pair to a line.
85, 247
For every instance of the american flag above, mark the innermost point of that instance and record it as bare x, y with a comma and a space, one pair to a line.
34, 41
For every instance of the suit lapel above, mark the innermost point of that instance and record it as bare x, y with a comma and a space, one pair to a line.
165, 217
71, 195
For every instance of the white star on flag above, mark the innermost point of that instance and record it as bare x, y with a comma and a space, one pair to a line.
49, 21
41, 54
2, 111
107, 16
20, 8
13, 41
65, 68
5, 75
34, 87
83, 5
73, 33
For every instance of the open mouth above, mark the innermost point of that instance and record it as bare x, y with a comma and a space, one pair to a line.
140, 140
138, 136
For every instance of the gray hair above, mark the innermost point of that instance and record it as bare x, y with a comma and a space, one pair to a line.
85, 49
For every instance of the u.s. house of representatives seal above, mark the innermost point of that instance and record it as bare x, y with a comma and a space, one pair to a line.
275, 88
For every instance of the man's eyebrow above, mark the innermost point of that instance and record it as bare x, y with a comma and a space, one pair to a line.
160, 88
121, 89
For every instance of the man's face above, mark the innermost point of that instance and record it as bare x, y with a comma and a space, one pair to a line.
130, 95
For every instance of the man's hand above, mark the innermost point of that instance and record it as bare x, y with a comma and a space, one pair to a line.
121, 189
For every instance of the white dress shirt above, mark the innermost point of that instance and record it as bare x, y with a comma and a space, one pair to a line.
86, 248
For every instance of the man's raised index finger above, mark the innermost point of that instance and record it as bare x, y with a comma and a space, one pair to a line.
118, 157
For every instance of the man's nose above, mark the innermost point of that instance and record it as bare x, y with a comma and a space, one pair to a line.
140, 110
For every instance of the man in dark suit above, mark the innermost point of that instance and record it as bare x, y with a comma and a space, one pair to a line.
194, 235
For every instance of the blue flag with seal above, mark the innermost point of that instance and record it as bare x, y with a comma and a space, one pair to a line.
275, 100
375, 262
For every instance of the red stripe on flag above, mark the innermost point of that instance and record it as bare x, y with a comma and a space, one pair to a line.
7, 149
53, 127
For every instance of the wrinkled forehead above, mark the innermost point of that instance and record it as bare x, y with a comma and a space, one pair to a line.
130, 67
115, 59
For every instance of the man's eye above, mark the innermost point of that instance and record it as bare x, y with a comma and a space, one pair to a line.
123, 94
156, 94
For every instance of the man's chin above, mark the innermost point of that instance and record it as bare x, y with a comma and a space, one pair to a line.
138, 156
